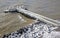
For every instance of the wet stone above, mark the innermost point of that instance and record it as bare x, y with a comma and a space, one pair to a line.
21, 31
35, 30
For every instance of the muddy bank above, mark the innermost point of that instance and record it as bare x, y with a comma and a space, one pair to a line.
49, 8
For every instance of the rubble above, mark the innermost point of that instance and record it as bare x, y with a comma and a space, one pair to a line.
35, 30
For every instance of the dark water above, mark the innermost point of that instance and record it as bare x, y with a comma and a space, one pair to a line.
44, 7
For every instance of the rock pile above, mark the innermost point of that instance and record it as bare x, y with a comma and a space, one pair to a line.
36, 30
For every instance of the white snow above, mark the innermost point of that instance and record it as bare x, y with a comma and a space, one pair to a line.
21, 18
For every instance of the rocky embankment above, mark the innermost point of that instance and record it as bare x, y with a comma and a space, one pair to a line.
38, 29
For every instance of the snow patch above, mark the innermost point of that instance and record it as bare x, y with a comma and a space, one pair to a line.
21, 18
